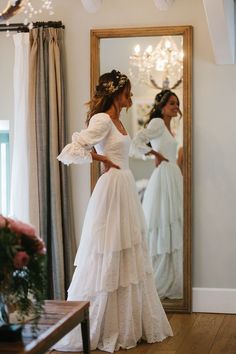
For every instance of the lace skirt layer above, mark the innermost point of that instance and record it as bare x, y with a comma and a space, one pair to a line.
163, 209
113, 271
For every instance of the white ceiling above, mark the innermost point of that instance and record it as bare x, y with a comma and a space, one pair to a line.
221, 23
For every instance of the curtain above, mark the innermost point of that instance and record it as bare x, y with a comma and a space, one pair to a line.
19, 192
50, 204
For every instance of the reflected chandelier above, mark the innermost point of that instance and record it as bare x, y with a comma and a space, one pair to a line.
166, 59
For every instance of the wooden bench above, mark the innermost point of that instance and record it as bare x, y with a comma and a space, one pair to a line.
60, 317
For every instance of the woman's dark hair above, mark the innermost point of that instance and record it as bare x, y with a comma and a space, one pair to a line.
109, 86
161, 100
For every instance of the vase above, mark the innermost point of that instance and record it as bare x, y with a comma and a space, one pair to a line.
9, 332
4, 313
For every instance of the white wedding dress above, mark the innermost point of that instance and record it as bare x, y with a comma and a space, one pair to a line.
163, 209
113, 270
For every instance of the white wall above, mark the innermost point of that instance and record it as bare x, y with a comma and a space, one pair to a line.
214, 125
6, 77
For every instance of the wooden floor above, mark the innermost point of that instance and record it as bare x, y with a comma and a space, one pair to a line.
193, 333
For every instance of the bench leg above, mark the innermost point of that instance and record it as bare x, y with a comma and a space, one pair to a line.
86, 333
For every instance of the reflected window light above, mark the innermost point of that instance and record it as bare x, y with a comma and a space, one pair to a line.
4, 168
3, 159
137, 49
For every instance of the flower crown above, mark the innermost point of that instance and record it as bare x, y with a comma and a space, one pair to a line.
160, 97
114, 85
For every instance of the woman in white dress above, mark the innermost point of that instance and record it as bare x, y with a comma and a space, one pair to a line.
163, 197
113, 270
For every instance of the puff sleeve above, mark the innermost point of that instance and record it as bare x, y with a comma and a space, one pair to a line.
139, 147
79, 150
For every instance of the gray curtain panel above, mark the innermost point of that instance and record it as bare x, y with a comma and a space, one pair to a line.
51, 202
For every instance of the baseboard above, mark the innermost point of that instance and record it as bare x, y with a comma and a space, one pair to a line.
214, 300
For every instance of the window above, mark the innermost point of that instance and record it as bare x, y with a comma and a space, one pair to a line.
4, 167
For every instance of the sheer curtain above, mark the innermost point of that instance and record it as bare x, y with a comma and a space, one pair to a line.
51, 202
19, 194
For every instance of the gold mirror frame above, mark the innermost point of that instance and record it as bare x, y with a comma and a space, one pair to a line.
185, 304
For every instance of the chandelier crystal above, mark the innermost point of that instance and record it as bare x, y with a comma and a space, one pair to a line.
165, 61
31, 9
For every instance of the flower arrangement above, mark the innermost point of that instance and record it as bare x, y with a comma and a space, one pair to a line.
22, 269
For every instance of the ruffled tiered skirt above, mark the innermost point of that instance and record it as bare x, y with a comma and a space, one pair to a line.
163, 209
113, 271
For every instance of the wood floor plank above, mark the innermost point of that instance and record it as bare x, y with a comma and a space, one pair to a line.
193, 334
142, 348
200, 337
225, 341
181, 324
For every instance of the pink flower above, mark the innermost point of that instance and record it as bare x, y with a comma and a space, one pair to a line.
3, 222
42, 250
20, 260
40, 246
21, 228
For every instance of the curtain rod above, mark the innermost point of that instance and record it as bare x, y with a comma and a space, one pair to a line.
20, 27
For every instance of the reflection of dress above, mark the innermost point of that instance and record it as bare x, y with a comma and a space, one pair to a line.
113, 268
163, 209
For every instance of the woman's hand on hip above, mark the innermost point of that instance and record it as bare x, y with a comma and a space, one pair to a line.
107, 164
159, 158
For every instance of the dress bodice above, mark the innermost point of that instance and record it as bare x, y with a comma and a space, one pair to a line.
115, 146
165, 145
104, 136
160, 139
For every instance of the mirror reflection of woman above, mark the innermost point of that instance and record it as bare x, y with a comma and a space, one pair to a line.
163, 197
113, 270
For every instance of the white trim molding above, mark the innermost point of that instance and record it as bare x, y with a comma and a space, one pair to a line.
214, 300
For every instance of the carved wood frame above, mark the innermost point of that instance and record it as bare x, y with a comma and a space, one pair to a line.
185, 304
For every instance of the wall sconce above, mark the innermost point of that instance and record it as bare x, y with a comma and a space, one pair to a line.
163, 5
91, 6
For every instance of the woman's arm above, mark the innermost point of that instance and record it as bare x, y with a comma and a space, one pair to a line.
158, 157
106, 162
140, 144
180, 158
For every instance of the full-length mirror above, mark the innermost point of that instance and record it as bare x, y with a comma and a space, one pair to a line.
158, 62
